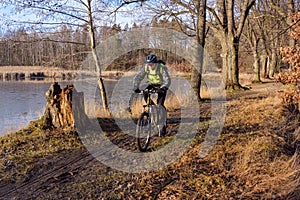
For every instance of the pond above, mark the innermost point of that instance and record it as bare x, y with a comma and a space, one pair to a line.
22, 102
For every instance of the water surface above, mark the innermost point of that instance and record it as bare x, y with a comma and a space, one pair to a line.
22, 102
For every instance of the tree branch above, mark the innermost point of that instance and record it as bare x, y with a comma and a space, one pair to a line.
246, 8
179, 23
217, 19
186, 6
57, 11
124, 3
278, 9
82, 2
47, 40
46, 23
212, 26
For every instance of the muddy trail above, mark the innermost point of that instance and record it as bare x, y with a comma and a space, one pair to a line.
63, 174
79, 165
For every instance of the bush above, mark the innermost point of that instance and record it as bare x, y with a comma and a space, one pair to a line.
291, 77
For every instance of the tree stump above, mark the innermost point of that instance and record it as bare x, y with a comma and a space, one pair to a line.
58, 112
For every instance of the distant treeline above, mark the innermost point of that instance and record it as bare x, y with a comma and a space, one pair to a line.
67, 48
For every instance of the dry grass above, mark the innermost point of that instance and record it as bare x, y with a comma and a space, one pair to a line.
253, 159
21, 151
257, 146
255, 110
27, 68
172, 103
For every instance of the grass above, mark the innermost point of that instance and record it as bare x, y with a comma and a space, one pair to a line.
21, 150
253, 159
255, 148
26, 68
172, 103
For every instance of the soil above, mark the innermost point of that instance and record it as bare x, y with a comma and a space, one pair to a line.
76, 174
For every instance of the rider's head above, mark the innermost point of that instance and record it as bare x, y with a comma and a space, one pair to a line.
151, 60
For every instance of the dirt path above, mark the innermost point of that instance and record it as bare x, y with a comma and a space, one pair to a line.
76, 166
53, 171
67, 169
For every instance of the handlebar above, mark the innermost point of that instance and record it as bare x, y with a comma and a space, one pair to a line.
150, 91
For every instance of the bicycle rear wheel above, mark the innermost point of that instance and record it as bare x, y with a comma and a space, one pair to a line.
143, 131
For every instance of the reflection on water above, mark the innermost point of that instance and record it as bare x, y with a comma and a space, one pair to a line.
20, 103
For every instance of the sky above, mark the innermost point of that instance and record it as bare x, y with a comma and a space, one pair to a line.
7, 15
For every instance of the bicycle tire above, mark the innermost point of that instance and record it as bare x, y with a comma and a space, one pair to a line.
143, 131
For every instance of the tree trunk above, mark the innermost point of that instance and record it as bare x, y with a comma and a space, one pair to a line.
64, 108
96, 58
272, 64
264, 65
103, 94
235, 63
58, 112
233, 49
201, 27
197, 74
230, 62
100, 81
229, 33
256, 64
291, 9
225, 64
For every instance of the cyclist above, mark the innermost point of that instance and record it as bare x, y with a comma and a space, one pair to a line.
158, 77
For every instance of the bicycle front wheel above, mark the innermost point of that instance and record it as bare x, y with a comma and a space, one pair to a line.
143, 131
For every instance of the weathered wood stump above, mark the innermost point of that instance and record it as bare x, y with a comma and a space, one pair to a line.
64, 108
58, 112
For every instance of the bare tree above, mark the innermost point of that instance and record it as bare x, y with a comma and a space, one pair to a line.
253, 39
76, 13
284, 9
187, 17
269, 23
227, 25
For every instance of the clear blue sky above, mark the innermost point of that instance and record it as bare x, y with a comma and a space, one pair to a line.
7, 14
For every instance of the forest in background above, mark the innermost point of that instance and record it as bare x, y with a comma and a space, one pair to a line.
257, 154
265, 30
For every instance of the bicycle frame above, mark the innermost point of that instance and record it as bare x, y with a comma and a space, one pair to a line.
152, 109
149, 120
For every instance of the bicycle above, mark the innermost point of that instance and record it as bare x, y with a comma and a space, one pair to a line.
152, 120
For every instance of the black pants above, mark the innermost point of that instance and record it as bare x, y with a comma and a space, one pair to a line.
160, 101
161, 95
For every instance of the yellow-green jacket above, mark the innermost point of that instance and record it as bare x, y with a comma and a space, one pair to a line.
159, 76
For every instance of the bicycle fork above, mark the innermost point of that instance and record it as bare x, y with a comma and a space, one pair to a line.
157, 118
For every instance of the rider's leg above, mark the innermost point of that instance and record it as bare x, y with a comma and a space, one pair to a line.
161, 97
149, 87
160, 101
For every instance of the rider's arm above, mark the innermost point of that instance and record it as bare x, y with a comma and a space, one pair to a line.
166, 78
138, 78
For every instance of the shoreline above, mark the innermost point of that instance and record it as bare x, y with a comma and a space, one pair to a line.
253, 148
44, 75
